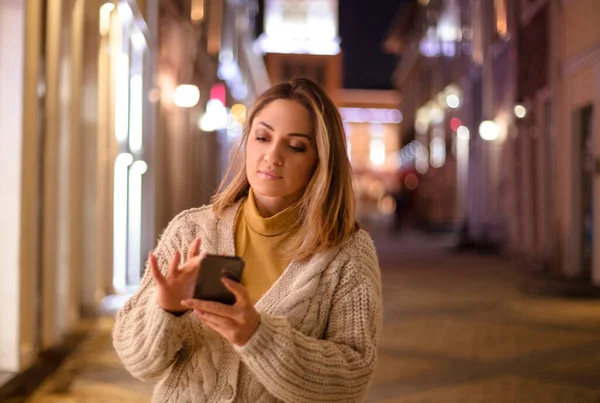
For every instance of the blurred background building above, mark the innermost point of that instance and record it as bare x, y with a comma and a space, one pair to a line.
301, 39
117, 115
498, 99
120, 114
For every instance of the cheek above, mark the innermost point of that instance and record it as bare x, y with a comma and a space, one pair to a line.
252, 155
305, 169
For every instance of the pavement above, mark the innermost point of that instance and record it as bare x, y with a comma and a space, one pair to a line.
457, 329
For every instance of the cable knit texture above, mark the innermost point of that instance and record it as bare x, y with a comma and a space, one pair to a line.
317, 341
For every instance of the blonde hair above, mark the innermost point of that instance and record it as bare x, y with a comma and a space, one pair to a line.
326, 209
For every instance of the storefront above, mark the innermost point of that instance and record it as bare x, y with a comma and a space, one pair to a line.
77, 163
578, 110
372, 126
126, 133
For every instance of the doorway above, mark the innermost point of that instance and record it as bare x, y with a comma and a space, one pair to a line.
585, 170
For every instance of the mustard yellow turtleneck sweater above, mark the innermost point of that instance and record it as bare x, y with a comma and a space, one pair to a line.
257, 240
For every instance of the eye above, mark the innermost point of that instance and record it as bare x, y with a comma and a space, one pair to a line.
298, 149
261, 139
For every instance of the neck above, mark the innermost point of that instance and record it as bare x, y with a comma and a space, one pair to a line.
269, 206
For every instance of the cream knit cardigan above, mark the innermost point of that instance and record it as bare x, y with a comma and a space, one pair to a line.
317, 341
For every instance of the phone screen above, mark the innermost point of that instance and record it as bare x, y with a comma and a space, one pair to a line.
212, 268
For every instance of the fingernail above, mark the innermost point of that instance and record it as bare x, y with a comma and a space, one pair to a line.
186, 302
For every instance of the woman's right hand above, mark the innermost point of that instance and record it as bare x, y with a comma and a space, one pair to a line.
180, 281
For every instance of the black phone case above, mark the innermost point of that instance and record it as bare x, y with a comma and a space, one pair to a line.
212, 268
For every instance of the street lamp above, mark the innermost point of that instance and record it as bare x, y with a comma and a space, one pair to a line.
488, 130
453, 101
520, 111
186, 95
197, 12
463, 133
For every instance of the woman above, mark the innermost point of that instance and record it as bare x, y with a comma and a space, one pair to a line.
307, 317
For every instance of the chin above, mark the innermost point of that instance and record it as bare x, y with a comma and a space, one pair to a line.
267, 190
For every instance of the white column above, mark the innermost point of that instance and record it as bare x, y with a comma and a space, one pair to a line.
12, 43
462, 175
51, 235
92, 122
19, 175
76, 208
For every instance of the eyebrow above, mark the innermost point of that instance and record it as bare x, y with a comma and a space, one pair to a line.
306, 136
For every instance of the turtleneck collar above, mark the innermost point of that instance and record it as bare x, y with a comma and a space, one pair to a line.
271, 226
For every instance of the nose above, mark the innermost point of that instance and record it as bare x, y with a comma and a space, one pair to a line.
273, 155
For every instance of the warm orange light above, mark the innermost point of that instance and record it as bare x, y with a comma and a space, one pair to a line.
197, 13
186, 96
239, 112
105, 11
501, 22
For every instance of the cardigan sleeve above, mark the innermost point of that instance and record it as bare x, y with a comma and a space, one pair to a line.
294, 367
146, 337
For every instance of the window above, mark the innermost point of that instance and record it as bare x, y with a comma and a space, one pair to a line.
477, 32
500, 14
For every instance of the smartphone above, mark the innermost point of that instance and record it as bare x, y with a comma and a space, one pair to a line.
212, 269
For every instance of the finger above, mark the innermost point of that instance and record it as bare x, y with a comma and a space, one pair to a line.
193, 249
174, 265
241, 294
154, 270
210, 307
216, 320
192, 265
214, 326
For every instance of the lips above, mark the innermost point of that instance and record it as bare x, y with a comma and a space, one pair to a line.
269, 175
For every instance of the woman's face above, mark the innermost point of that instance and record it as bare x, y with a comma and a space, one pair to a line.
281, 154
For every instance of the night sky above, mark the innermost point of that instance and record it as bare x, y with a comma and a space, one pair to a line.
363, 25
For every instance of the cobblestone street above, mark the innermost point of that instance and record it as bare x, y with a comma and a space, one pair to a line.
456, 330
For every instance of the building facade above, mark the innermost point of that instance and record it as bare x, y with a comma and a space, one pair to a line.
429, 77
526, 154
78, 136
575, 75
300, 39
116, 117
372, 124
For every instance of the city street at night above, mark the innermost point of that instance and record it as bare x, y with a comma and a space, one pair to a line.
456, 329
184, 184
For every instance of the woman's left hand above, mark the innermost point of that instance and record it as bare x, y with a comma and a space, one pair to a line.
237, 323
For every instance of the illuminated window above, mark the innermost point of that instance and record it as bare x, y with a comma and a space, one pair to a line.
477, 32
295, 15
501, 18
122, 102
300, 26
377, 152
